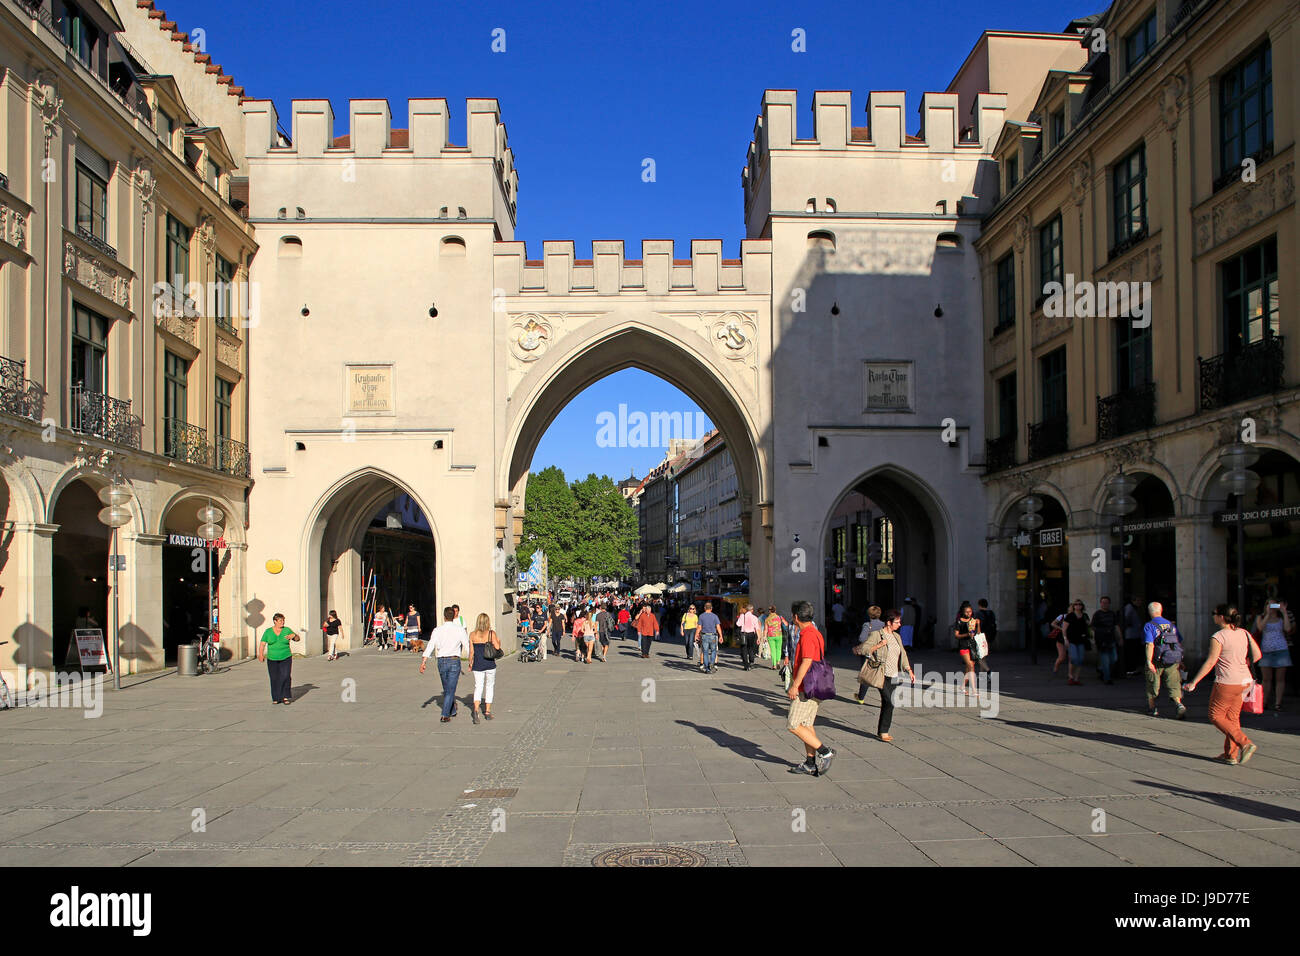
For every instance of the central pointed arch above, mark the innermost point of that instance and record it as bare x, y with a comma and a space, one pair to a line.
560, 376
726, 389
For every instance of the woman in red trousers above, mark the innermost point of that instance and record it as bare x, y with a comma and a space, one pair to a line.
1232, 651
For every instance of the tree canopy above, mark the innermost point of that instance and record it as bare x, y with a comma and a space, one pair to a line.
586, 528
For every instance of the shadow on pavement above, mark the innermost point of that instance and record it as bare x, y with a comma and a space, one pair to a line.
1231, 801
302, 690
1119, 740
737, 745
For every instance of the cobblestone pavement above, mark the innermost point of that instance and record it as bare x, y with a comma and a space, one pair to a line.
581, 760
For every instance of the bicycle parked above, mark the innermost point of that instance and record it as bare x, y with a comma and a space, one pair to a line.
209, 650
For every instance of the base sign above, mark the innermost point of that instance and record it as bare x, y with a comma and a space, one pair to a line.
90, 647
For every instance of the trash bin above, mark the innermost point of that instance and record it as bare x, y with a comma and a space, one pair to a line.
187, 660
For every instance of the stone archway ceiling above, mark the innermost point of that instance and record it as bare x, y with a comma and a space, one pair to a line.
633, 348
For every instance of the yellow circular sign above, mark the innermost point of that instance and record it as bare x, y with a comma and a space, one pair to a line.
275, 566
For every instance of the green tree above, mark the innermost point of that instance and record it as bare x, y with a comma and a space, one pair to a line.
549, 511
606, 527
586, 529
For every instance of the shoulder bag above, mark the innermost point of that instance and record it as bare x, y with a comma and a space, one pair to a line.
819, 682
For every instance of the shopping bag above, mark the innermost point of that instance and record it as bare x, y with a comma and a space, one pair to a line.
1252, 701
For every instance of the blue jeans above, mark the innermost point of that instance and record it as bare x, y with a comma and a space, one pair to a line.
449, 671
710, 644
1107, 657
1077, 651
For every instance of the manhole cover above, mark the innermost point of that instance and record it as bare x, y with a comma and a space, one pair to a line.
649, 856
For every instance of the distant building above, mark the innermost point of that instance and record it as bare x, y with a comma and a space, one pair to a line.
712, 550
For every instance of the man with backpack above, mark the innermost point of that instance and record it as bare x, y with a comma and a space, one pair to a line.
1164, 653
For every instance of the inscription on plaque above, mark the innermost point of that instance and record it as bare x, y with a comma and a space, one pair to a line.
888, 386
368, 389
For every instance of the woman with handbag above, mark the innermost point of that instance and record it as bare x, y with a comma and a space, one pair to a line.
885, 655
1232, 651
485, 648
964, 630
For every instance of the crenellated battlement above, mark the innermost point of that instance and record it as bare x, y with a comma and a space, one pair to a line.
372, 150
609, 272
866, 164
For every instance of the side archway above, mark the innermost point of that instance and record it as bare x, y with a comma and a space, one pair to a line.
351, 564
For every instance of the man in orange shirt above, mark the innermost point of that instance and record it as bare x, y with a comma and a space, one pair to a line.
803, 709
647, 625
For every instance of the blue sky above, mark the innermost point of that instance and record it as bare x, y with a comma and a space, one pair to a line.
590, 89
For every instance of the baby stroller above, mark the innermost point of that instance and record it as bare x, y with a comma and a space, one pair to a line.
530, 646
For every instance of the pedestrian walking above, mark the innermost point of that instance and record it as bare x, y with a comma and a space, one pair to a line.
448, 644
1164, 654
710, 632
1232, 651
1133, 637
624, 622
1275, 627
803, 709
413, 629
582, 642
1057, 631
1078, 634
604, 624
747, 627
911, 612
647, 625
483, 666
774, 634
837, 622
885, 657
1106, 632
275, 649
690, 627
557, 628
872, 624
380, 626
333, 629
964, 630
989, 628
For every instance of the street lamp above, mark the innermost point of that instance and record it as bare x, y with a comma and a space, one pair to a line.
1031, 521
210, 530
1237, 479
1120, 502
114, 514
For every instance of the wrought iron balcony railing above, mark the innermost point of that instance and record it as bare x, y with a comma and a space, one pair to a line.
1258, 369
232, 457
999, 453
18, 395
1049, 437
186, 442
96, 414
1125, 412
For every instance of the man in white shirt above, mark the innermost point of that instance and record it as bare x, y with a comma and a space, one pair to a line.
448, 643
747, 627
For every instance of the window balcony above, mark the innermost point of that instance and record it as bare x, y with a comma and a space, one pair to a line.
232, 457
999, 454
18, 395
1258, 369
99, 416
1126, 412
186, 442
1049, 437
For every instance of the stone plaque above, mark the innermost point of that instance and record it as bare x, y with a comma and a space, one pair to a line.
889, 386
368, 390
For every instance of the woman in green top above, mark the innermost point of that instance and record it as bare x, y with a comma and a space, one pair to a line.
275, 650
